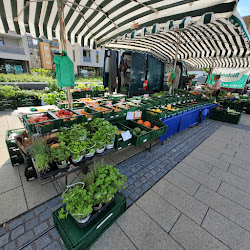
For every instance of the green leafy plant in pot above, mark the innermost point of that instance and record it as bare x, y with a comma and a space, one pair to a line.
99, 137
110, 135
78, 203
77, 150
90, 148
79, 132
60, 155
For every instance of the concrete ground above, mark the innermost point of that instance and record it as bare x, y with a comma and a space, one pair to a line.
193, 192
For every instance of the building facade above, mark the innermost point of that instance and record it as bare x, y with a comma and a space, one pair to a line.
14, 53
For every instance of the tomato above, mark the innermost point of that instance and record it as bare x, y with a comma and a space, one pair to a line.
61, 112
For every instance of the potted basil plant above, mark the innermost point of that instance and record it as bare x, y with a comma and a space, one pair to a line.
90, 148
77, 150
78, 203
60, 155
110, 136
99, 138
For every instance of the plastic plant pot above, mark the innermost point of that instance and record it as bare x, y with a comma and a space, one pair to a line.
79, 219
90, 151
97, 208
100, 147
61, 165
77, 160
109, 145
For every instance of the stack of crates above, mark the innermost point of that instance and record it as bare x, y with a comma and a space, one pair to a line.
16, 157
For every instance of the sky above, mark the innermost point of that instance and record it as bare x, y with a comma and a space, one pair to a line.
244, 7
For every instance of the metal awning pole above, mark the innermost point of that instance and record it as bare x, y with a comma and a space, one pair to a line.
175, 56
60, 7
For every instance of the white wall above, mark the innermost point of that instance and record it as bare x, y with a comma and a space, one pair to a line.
11, 41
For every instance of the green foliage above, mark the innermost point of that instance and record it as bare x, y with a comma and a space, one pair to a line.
53, 97
24, 78
100, 139
207, 70
89, 79
78, 202
60, 154
76, 148
41, 71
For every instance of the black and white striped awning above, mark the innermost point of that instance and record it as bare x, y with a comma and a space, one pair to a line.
210, 33
94, 22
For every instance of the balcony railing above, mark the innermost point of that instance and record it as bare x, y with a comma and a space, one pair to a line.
11, 50
86, 59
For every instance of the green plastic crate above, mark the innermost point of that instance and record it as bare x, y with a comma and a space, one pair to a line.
105, 115
75, 105
40, 126
67, 122
138, 139
76, 238
92, 114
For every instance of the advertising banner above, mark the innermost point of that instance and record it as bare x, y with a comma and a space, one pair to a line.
231, 78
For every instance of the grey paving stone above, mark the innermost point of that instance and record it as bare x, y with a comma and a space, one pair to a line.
144, 232
31, 224
235, 194
114, 238
2, 230
39, 210
43, 241
15, 223
186, 203
197, 175
145, 186
41, 228
137, 183
53, 246
219, 163
56, 207
217, 142
183, 182
131, 188
231, 179
201, 165
53, 202
29, 216
54, 233
134, 196
192, 236
4, 239
10, 246
51, 222
209, 152
224, 206
235, 161
17, 232
25, 238
45, 215
241, 172
226, 231
159, 209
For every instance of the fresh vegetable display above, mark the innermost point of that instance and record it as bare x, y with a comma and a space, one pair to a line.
65, 114
41, 119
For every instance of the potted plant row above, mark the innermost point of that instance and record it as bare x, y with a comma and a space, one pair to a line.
83, 200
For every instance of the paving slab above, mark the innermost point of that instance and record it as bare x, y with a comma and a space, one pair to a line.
9, 178
184, 202
12, 204
197, 175
235, 194
226, 231
240, 172
144, 232
208, 151
114, 238
232, 160
224, 206
193, 237
231, 179
183, 182
159, 210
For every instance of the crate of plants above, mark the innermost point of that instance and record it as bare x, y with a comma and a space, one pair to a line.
121, 142
141, 134
88, 114
233, 116
9, 104
41, 122
90, 207
158, 127
66, 117
28, 101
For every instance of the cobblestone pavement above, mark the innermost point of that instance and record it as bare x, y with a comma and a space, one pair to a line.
203, 203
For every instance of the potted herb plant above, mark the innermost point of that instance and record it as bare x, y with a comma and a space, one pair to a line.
90, 148
60, 155
77, 150
110, 135
78, 203
99, 138
79, 131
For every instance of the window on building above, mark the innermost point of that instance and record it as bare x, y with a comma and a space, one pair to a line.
1, 40
74, 56
86, 53
97, 57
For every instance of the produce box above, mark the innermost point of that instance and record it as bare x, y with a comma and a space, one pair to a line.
81, 94
66, 117
75, 104
36, 123
28, 101
75, 237
98, 93
117, 98
8, 104
224, 116
139, 138
16, 157
88, 114
119, 142
156, 113
162, 128
105, 111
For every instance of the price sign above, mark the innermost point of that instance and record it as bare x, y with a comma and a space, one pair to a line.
126, 135
122, 100
137, 115
146, 95
130, 116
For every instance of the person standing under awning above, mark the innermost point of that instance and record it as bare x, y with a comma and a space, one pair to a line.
215, 88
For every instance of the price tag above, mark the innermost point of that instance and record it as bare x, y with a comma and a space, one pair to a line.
95, 106
174, 103
179, 102
146, 95
184, 101
109, 104
126, 135
122, 100
130, 116
137, 115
